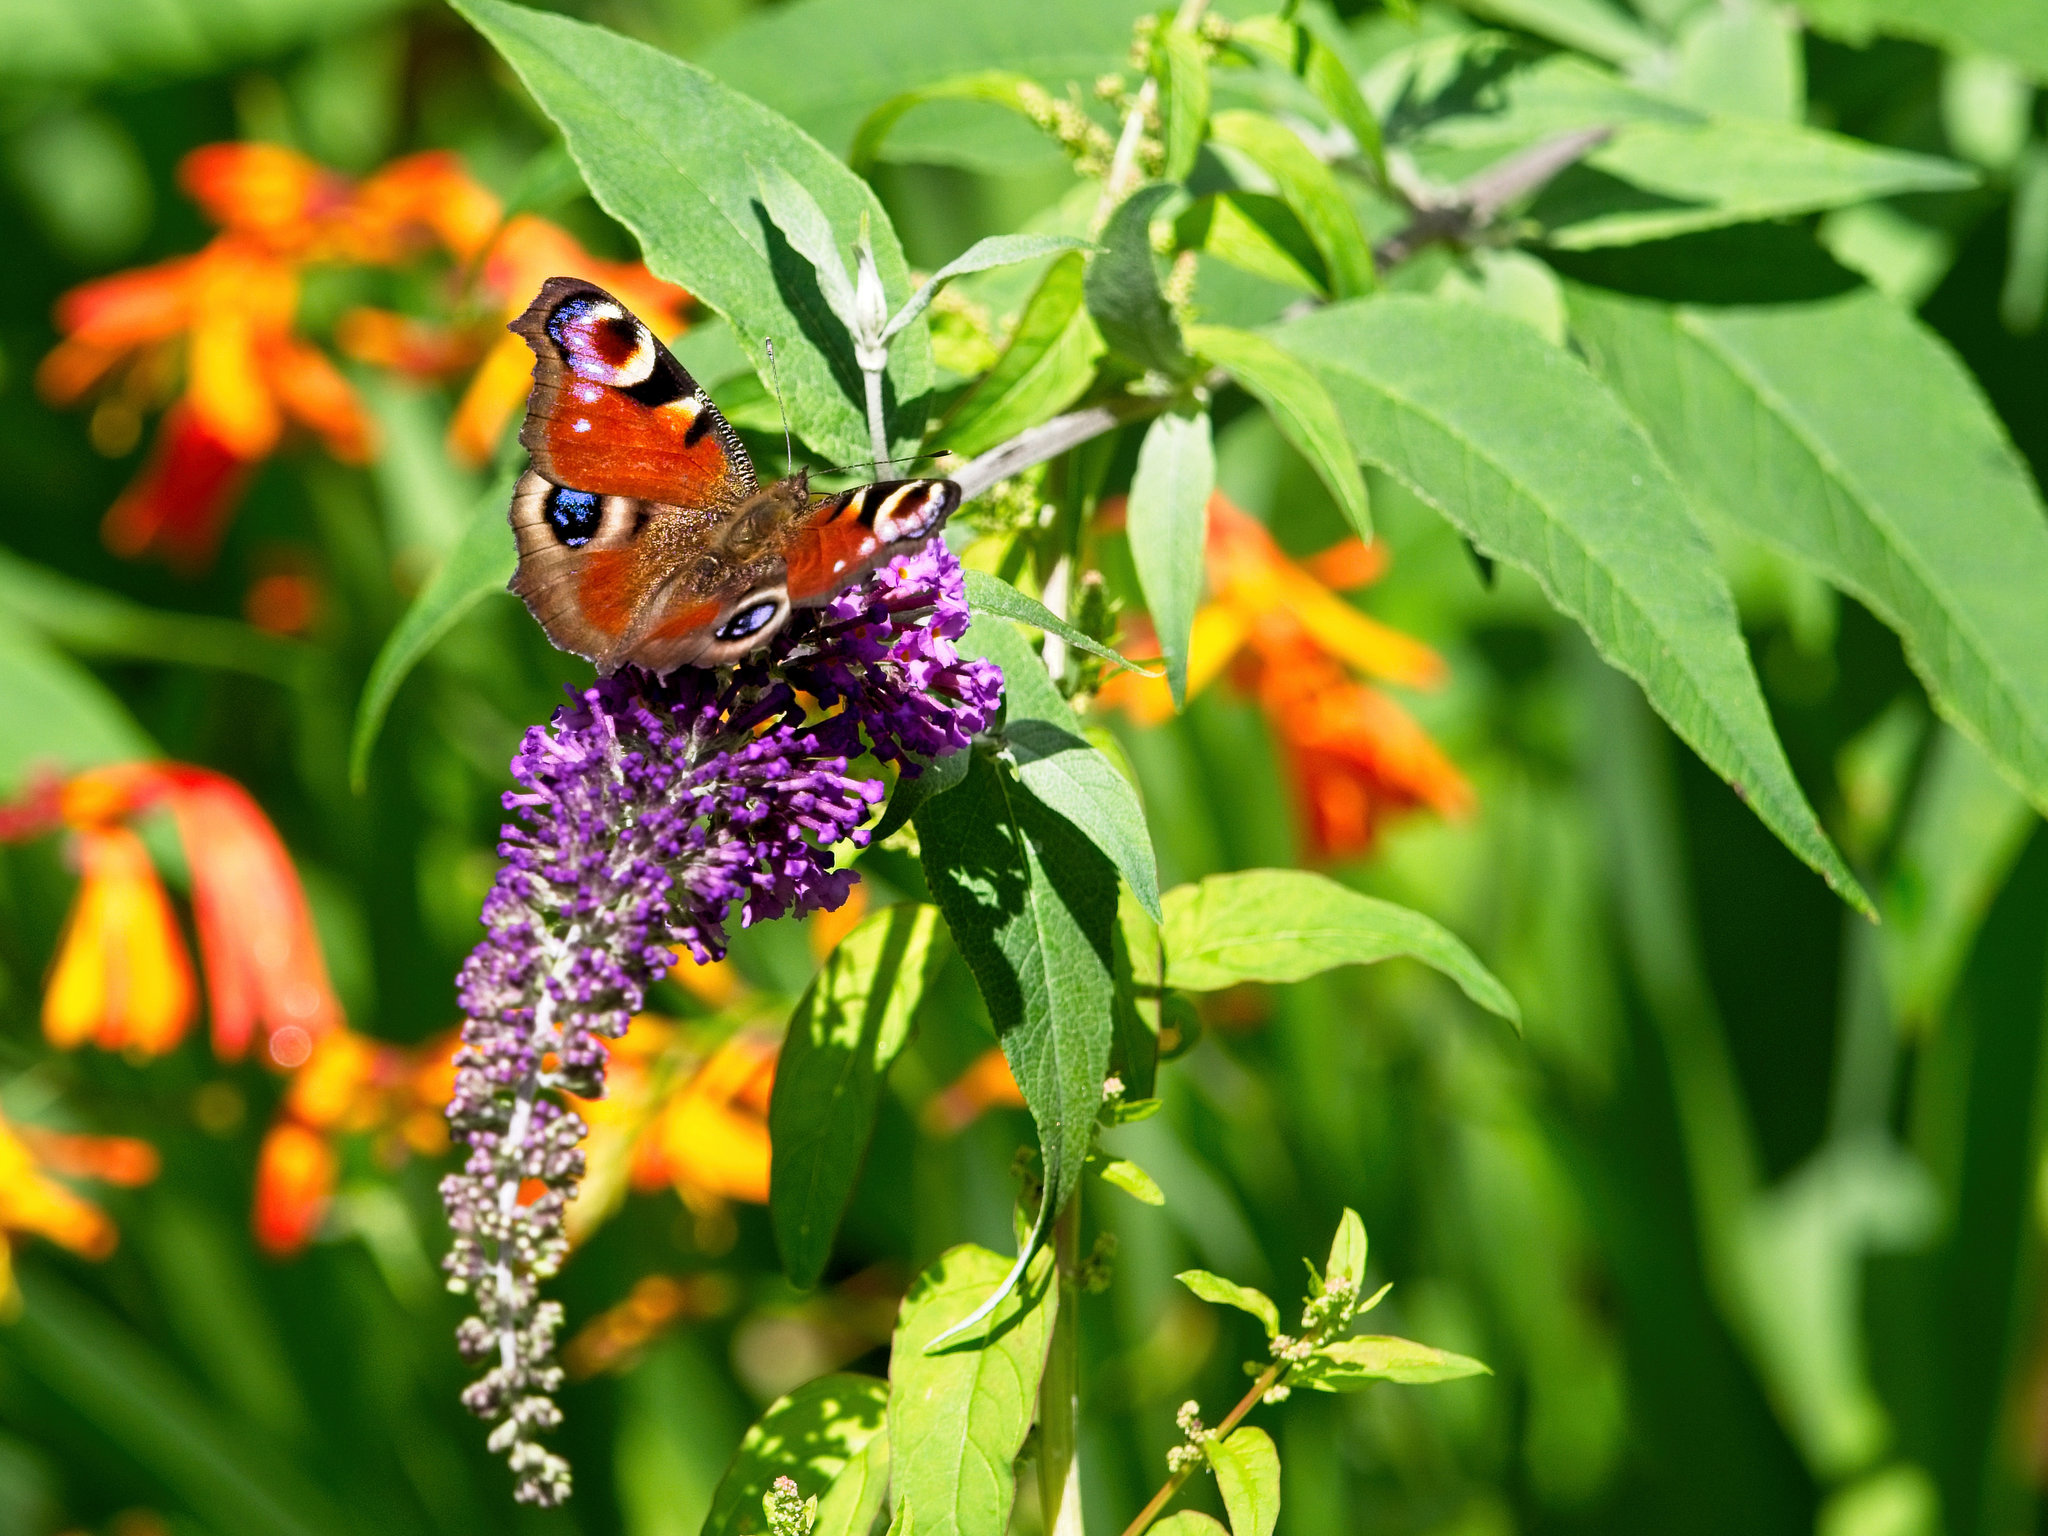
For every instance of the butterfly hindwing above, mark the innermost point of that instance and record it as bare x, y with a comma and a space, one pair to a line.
848, 534
613, 412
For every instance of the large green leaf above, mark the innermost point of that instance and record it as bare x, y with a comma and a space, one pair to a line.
60, 718
1047, 364
842, 1039
1032, 906
1909, 496
1521, 448
480, 564
1168, 522
1247, 1468
90, 41
810, 1435
958, 1415
223, 1471
1281, 925
672, 154
85, 618
855, 1498
1299, 406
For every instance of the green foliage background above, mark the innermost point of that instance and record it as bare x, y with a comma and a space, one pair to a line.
1746, 1220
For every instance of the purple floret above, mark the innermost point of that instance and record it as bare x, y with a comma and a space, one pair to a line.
648, 812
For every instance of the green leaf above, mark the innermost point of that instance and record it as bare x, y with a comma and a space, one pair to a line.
1228, 1293
958, 1416
670, 152
1345, 1270
1962, 834
1863, 484
992, 594
994, 87
479, 565
912, 790
1592, 26
1310, 189
85, 618
855, 1498
1131, 1179
1032, 904
1299, 405
984, 254
84, 41
1049, 361
857, 1014
1525, 452
1122, 288
224, 1471
1187, 1522
1349, 1364
1168, 522
2012, 29
1295, 47
811, 1435
1255, 233
1068, 774
60, 717
809, 232
1279, 925
1028, 691
1728, 170
1247, 1468
1184, 79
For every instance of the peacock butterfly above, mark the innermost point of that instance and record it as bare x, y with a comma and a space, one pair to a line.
643, 533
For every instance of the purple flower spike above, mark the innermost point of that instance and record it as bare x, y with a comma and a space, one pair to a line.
647, 812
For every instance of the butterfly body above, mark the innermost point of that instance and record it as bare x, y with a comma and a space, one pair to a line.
644, 535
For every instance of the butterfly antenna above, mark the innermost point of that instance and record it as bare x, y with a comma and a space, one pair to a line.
936, 453
775, 374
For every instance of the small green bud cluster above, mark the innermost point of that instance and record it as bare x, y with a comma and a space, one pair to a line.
789, 1513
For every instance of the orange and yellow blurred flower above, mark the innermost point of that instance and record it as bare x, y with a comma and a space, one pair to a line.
223, 321
122, 979
348, 1086
1285, 638
34, 1203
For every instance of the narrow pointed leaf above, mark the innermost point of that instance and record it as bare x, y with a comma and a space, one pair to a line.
1300, 407
1280, 925
1350, 1364
1865, 485
991, 594
1049, 361
1228, 1293
1184, 74
857, 1014
480, 564
1068, 774
1310, 188
1525, 452
1123, 288
1345, 1270
992, 251
1168, 523
804, 224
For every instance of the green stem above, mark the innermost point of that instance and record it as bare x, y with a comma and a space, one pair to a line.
1059, 1388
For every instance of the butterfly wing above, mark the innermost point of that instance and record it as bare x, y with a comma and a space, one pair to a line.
613, 412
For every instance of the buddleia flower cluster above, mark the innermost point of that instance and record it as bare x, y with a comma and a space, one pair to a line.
648, 813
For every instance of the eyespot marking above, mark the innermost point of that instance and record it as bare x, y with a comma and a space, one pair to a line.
601, 342
750, 620
574, 515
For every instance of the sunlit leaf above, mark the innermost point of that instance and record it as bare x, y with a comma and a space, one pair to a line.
810, 1435
1525, 452
1168, 523
1349, 1364
1049, 361
1310, 189
1184, 98
1280, 925
1228, 1293
958, 1415
1123, 290
1247, 1468
1134, 1181
991, 594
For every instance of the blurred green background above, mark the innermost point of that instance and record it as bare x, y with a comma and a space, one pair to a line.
1712, 1083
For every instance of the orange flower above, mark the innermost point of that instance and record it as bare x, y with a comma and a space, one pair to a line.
121, 978
1291, 643
711, 1139
32, 1202
349, 1085
295, 1174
